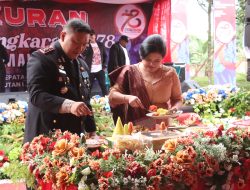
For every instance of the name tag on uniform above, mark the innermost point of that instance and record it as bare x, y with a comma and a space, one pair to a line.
85, 74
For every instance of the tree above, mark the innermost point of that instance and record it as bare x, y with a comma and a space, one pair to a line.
207, 5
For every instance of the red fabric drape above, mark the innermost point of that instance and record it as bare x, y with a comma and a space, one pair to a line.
160, 23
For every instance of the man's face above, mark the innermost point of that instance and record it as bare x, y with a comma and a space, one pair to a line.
123, 43
73, 43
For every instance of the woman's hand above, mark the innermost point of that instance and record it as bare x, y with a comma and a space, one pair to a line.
134, 101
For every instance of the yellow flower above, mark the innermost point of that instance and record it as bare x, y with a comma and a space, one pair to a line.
170, 145
61, 147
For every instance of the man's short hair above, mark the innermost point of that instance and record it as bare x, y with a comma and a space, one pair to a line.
77, 25
92, 32
123, 37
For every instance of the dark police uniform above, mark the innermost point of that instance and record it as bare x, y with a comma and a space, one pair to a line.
48, 71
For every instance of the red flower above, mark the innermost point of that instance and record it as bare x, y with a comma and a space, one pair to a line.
44, 141
108, 174
1, 152
96, 154
232, 110
209, 172
247, 163
135, 169
219, 133
221, 127
237, 171
151, 173
103, 183
52, 145
209, 134
156, 181
150, 188
241, 183
247, 113
5, 159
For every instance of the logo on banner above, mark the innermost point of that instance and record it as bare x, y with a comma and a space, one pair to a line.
225, 32
130, 21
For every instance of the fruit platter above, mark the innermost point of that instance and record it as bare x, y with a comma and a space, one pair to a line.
161, 113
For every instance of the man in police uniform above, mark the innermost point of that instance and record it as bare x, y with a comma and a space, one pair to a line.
58, 85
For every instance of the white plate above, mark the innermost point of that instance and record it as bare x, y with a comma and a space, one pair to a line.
173, 115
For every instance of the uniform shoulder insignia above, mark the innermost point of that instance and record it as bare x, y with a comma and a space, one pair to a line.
46, 50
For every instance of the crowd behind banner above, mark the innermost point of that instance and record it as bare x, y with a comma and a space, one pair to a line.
28, 26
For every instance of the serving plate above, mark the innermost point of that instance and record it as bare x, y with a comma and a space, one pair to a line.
172, 115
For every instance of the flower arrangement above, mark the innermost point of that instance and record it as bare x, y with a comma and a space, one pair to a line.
208, 101
59, 160
218, 159
238, 104
210, 160
12, 111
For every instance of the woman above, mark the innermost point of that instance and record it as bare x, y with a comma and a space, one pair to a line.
136, 87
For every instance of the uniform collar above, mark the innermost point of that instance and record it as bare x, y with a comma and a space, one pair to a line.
62, 54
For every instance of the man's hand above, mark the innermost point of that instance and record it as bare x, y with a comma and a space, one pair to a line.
80, 109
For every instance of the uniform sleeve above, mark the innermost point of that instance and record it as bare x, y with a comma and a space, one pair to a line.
39, 81
176, 89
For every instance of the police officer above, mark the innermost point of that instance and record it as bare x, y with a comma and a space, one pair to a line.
58, 85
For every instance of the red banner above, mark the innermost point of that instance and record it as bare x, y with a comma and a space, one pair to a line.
32, 25
160, 23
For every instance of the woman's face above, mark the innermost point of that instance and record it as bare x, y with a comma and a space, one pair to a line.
152, 62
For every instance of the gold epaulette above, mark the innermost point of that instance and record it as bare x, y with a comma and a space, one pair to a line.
46, 49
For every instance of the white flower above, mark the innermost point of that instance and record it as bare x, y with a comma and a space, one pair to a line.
192, 101
137, 181
125, 181
1, 158
86, 171
92, 186
82, 186
71, 162
74, 170
237, 152
235, 158
83, 179
6, 164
